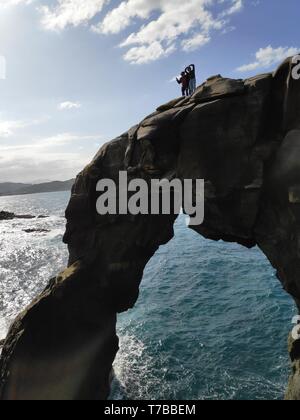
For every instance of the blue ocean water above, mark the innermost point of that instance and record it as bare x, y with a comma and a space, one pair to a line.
211, 322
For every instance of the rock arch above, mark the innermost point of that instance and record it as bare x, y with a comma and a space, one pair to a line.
243, 138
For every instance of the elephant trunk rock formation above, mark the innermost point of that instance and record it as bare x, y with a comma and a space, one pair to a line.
243, 138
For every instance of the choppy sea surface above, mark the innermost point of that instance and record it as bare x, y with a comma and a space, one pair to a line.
211, 322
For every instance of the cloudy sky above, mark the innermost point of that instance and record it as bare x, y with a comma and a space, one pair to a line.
80, 72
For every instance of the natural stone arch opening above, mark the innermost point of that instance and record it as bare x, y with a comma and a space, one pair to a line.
242, 138
194, 332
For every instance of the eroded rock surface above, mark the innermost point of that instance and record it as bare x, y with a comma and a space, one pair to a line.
243, 138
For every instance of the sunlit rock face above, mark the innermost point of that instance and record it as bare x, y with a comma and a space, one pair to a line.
243, 138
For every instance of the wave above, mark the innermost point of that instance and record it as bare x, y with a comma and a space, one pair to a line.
135, 374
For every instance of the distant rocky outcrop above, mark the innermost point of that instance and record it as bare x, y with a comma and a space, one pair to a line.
243, 138
36, 230
6, 215
10, 188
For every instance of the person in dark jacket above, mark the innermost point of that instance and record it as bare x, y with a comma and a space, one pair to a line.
184, 82
191, 71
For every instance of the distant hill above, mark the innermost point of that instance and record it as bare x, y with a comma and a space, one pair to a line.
11, 188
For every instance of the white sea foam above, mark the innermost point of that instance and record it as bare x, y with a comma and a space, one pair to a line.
3, 328
135, 375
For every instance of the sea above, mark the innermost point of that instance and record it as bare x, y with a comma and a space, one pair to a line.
211, 322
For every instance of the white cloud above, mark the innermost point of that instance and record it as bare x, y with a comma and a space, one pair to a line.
191, 22
9, 127
169, 26
49, 144
236, 7
122, 16
265, 58
158, 37
70, 13
145, 53
68, 105
9, 3
165, 25
59, 140
193, 43
56, 157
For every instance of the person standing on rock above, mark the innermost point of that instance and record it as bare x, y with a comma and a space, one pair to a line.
191, 71
184, 82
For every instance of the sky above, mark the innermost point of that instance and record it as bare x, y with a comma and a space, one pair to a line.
75, 74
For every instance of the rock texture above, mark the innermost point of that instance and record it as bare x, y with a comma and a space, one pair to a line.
5, 215
243, 138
